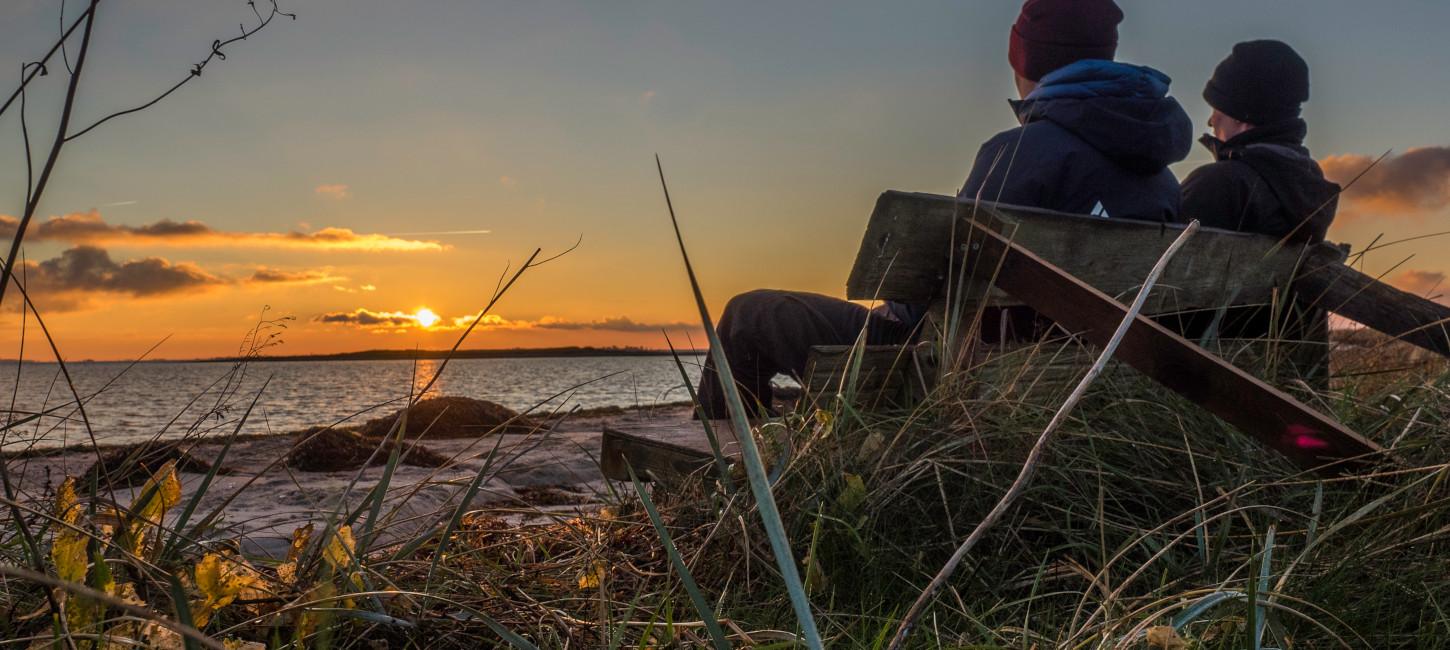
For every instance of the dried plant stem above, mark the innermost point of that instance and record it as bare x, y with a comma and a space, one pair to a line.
1029, 467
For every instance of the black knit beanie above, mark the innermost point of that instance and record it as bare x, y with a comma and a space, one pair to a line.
1261, 82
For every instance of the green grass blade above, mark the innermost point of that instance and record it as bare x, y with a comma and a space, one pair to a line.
702, 606
721, 467
754, 467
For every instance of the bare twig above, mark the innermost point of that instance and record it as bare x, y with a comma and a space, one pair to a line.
1029, 467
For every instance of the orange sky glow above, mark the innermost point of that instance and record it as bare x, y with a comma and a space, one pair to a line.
367, 179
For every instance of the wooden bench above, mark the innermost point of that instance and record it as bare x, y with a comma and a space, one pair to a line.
959, 255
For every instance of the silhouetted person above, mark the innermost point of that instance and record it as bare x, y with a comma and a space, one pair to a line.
1263, 179
1095, 137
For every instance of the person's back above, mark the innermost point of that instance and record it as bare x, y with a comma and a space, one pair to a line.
1097, 138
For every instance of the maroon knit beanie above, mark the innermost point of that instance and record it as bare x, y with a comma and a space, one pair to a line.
1050, 34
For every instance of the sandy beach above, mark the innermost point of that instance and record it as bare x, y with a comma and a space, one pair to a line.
550, 471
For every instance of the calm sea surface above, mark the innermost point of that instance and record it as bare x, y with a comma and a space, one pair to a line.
211, 397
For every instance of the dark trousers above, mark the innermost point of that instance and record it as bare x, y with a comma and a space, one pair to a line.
768, 332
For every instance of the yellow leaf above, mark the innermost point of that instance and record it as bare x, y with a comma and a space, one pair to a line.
159, 494
300, 538
340, 548
824, 418
594, 576
220, 579
165, 491
67, 505
1164, 636
68, 552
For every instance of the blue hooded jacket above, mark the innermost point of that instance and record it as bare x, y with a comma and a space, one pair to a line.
1096, 138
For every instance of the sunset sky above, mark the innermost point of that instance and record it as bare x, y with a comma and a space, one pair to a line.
374, 159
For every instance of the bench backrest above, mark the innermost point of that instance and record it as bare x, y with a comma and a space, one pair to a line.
910, 239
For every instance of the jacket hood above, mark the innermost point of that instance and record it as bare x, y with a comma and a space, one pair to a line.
1277, 152
1121, 110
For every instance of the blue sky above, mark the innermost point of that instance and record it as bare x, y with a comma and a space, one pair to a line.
778, 122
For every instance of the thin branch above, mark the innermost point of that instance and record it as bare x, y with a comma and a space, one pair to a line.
1029, 467
40, 65
34, 199
196, 69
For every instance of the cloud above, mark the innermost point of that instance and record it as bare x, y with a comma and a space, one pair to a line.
90, 228
85, 270
265, 275
1414, 182
366, 318
1419, 282
335, 191
507, 181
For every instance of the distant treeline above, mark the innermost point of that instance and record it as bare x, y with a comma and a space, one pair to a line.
505, 353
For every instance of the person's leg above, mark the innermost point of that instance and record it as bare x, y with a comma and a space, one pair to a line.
768, 332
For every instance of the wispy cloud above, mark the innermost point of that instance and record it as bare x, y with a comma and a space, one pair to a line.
1412, 183
265, 275
335, 191
90, 228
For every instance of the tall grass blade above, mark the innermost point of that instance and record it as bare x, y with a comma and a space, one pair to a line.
754, 466
1260, 612
721, 467
702, 606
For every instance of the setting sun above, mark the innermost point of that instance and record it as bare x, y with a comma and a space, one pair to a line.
425, 317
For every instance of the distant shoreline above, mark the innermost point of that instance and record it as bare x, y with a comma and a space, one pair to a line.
410, 355
501, 353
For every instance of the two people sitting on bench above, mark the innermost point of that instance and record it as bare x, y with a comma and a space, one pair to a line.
1095, 136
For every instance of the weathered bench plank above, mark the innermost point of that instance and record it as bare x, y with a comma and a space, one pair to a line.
905, 254
656, 447
1365, 300
1280, 422
885, 375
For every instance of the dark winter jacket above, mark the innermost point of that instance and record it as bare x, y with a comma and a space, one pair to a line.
1264, 181
1096, 138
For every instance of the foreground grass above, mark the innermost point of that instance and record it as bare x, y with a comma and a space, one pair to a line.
1147, 516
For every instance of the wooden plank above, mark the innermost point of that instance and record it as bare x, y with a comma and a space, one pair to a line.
660, 447
904, 254
1363, 299
888, 374
1305, 436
